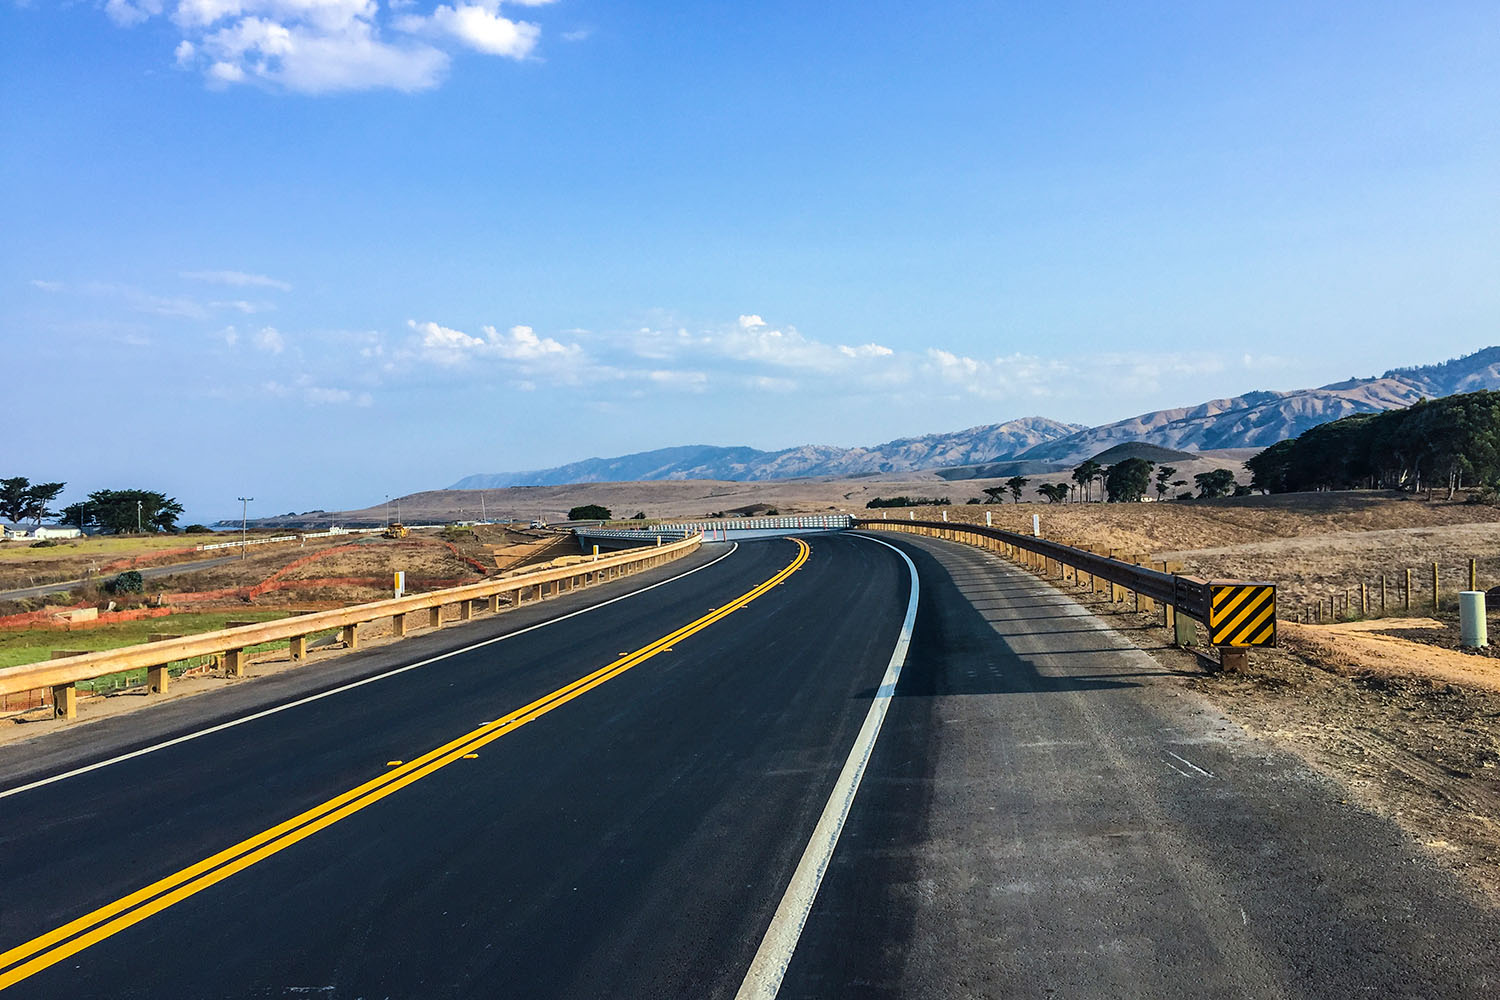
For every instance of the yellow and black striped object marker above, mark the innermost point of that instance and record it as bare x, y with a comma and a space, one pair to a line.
1242, 614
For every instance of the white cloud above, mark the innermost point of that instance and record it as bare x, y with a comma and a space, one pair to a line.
239, 279
326, 46
751, 322
128, 13
244, 306
447, 346
480, 26
313, 394
47, 286
269, 339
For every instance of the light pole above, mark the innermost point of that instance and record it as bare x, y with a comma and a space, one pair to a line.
387, 510
138, 517
244, 524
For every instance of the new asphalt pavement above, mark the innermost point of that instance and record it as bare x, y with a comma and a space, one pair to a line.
614, 803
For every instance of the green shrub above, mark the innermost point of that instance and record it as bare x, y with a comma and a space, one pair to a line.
128, 582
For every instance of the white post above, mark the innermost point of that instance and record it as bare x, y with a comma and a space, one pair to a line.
400, 583
945, 515
1036, 526
1472, 624
912, 516
596, 553
989, 519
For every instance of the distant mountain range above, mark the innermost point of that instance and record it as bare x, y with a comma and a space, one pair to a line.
977, 444
1254, 420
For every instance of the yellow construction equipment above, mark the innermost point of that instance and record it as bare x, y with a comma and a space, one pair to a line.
394, 530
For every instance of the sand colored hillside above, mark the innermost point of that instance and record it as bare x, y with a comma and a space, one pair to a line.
1176, 527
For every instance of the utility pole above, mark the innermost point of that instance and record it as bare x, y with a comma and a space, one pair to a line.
484, 516
244, 524
387, 510
138, 517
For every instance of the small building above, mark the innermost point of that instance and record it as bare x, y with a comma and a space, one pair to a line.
56, 531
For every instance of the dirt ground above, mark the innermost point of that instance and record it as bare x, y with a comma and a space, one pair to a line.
1160, 528
1314, 568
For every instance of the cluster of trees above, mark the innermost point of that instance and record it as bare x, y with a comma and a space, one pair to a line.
112, 511
878, 502
589, 512
1127, 481
119, 512
23, 500
1433, 444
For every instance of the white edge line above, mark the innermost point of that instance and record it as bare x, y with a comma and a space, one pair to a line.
350, 686
768, 968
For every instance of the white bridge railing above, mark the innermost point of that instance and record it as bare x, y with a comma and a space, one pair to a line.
721, 527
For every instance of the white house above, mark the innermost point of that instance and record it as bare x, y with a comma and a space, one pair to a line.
56, 531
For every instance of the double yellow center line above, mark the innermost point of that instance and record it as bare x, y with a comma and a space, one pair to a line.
56, 945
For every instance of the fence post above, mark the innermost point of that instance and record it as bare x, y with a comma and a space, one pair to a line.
1364, 600
1406, 594
1434, 588
1382, 595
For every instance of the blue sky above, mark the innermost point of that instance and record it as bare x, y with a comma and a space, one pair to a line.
318, 251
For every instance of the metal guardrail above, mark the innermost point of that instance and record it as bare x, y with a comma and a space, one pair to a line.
61, 675
1237, 614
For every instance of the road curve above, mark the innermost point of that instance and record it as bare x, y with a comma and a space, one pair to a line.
632, 842
1047, 812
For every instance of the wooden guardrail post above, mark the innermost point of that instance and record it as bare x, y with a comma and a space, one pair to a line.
234, 662
494, 604
466, 611
1143, 604
157, 679
351, 635
398, 625
297, 647
64, 701
435, 616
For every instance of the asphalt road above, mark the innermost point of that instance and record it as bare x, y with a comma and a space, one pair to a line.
1046, 813
146, 571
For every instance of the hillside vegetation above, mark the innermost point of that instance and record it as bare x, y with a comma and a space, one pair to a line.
1434, 444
